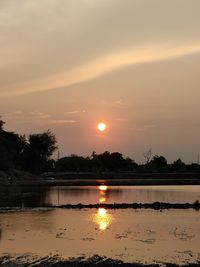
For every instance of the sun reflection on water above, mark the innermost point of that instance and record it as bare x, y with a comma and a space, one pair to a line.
103, 187
103, 219
103, 193
102, 199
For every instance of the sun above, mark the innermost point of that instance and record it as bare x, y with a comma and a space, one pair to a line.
101, 126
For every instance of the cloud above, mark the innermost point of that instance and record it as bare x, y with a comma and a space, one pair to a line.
49, 44
24, 116
143, 127
12, 114
62, 121
137, 129
74, 112
39, 115
103, 65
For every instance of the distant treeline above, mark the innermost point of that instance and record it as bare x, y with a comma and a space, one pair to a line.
33, 154
116, 162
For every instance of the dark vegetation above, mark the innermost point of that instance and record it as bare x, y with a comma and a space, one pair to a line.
30, 153
33, 154
155, 206
82, 261
107, 161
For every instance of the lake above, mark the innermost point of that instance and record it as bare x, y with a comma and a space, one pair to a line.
127, 235
131, 235
61, 195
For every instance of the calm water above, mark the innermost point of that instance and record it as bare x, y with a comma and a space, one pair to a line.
34, 196
129, 235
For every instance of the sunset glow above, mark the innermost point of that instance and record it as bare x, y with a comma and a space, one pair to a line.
101, 126
99, 133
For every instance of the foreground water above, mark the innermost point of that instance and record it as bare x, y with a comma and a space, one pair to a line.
61, 195
131, 235
144, 236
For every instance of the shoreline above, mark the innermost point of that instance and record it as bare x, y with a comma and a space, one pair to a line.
21, 178
97, 182
155, 206
82, 261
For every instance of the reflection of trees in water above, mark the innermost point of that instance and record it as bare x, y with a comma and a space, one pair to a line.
17, 196
62, 195
163, 194
37, 196
82, 191
73, 191
113, 192
109, 193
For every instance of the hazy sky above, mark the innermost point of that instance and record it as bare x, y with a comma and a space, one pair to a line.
65, 65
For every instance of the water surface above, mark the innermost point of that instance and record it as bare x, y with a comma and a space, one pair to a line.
129, 235
61, 195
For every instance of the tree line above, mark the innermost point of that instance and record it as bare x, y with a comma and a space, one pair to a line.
33, 153
116, 162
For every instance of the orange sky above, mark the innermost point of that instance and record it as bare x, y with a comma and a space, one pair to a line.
67, 65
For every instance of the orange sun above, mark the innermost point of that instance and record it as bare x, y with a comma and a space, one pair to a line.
101, 126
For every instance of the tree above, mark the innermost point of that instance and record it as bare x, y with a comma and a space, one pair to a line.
73, 163
158, 162
12, 147
147, 155
178, 165
1, 124
39, 149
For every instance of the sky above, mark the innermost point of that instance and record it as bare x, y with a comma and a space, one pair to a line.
134, 64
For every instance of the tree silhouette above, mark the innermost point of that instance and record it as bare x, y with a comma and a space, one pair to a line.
12, 147
158, 162
1, 123
147, 155
38, 150
178, 165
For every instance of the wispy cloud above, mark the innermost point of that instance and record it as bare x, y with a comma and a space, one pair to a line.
73, 112
62, 121
119, 104
137, 129
32, 115
12, 114
103, 65
39, 115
